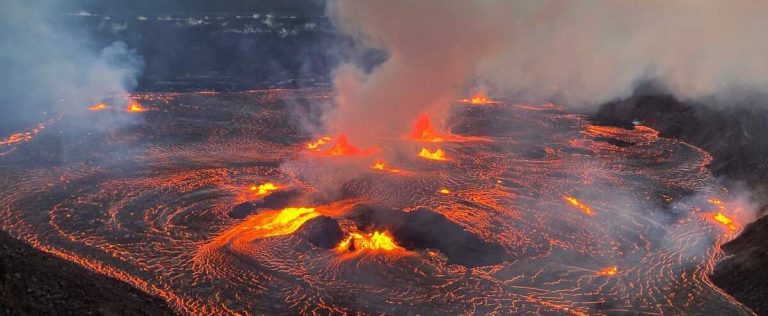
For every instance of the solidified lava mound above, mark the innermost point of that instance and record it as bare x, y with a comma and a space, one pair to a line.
424, 229
275, 200
321, 231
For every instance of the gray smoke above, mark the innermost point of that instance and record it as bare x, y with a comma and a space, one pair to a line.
576, 53
52, 66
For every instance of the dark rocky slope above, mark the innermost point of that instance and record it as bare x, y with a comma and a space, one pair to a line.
735, 136
36, 283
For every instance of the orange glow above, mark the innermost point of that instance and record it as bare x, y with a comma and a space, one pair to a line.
380, 165
609, 271
439, 154
580, 205
285, 222
373, 241
423, 130
134, 106
479, 99
263, 189
725, 220
444, 191
320, 141
717, 202
98, 107
343, 148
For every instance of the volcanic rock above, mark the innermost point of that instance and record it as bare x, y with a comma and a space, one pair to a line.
424, 229
36, 283
742, 274
322, 231
275, 200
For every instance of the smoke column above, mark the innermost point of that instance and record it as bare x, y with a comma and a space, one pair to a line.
432, 49
576, 53
49, 65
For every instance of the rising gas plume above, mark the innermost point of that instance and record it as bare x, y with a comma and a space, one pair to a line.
578, 54
50, 66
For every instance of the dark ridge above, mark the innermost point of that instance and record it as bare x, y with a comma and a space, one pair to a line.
535, 153
614, 142
743, 273
36, 283
275, 200
734, 137
425, 229
321, 231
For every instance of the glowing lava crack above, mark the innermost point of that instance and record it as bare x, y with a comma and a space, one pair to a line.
222, 207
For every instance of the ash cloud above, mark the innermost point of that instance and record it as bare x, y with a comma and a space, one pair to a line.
51, 66
576, 53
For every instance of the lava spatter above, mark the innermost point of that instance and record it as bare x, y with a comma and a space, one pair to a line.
158, 215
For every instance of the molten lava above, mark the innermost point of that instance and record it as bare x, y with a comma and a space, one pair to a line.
374, 241
725, 220
320, 141
479, 100
578, 204
134, 106
609, 271
379, 165
263, 189
444, 191
439, 154
98, 107
284, 222
719, 217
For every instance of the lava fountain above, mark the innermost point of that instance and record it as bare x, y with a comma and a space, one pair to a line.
192, 218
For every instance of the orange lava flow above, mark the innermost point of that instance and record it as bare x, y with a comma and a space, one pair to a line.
379, 165
609, 271
374, 241
343, 148
134, 106
719, 217
580, 205
98, 107
263, 189
725, 220
283, 222
320, 141
444, 191
439, 154
7, 144
479, 100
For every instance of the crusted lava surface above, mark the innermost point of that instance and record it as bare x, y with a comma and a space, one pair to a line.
532, 210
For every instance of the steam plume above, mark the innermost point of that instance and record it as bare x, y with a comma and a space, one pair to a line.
577, 53
51, 66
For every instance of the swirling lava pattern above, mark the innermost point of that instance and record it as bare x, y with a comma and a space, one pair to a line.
151, 204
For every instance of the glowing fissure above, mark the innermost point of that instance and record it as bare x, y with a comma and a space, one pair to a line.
578, 204
438, 154
284, 222
375, 241
264, 188
134, 106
